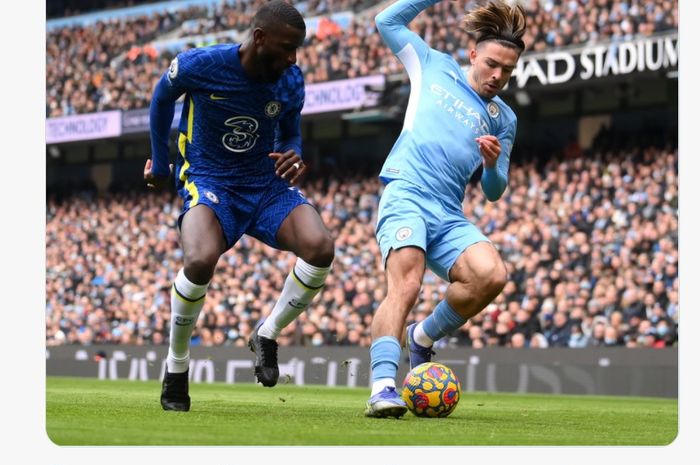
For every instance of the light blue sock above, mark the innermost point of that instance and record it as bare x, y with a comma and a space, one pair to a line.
442, 321
385, 354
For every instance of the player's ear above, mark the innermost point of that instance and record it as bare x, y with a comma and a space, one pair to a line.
472, 56
258, 36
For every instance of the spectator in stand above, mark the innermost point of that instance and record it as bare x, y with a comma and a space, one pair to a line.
577, 338
559, 333
113, 64
109, 260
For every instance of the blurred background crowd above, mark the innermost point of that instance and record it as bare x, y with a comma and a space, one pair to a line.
114, 64
590, 238
590, 243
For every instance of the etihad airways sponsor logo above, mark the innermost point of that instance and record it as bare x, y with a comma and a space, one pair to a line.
459, 109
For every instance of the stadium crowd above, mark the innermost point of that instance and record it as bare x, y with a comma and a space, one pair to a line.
114, 64
590, 243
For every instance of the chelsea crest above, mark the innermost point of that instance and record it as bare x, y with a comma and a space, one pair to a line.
273, 108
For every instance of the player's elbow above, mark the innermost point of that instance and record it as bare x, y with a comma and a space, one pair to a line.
380, 19
493, 193
492, 197
158, 97
384, 21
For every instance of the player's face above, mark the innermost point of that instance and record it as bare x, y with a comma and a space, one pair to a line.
277, 51
492, 65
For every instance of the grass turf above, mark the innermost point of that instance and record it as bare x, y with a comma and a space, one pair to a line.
85, 411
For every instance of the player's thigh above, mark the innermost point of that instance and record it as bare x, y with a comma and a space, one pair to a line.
212, 219
405, 268
286, 221
448, 246
201, 234
480, 263
303, 229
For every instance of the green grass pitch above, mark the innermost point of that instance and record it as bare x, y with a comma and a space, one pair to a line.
83, 411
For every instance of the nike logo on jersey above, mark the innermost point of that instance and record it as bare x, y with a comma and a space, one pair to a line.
217, 97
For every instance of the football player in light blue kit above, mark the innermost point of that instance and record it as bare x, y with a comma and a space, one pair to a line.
454, 124
240, 156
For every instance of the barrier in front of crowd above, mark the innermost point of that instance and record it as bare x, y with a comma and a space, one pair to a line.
594, 371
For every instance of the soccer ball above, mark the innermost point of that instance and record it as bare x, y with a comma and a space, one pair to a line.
431, 390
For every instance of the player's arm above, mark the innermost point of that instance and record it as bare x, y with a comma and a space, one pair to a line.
287, 154
162, 110
392, 24
288, 136
496, 153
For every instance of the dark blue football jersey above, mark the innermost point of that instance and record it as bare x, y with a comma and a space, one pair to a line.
229, 124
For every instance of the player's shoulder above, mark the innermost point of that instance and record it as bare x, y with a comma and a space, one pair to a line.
209, 52
497, 105
292, 81
444, 59
293, 77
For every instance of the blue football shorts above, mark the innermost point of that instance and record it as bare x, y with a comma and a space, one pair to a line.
411, 216
255, 211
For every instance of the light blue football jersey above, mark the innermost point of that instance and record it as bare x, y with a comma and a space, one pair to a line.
436, 148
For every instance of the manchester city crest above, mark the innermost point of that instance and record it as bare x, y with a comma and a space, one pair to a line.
403, 233
273, 108
493, 109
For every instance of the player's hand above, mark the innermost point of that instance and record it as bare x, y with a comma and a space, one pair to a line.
153, 181
288, 166
490, 149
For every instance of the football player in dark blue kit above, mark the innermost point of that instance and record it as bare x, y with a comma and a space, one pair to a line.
239, 147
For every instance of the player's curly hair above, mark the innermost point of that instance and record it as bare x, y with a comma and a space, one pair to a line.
499, 21
278, 12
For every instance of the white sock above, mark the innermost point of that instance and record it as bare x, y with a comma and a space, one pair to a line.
300, 287
186, 301
380, 384
420, 338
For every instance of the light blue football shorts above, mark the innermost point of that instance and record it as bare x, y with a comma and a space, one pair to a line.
411, 216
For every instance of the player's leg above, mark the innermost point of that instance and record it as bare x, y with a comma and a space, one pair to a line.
477, 276
404, 272
401, 233
202, 242
304, 234
299, 229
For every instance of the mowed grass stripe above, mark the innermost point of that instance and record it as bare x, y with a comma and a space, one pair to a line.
85, 411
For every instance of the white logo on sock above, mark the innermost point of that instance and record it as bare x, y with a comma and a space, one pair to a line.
183, 321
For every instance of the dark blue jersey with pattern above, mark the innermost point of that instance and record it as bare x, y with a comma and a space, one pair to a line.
229, 124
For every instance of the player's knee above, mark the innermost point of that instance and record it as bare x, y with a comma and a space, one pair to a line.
199, 268
495, 281
319, 251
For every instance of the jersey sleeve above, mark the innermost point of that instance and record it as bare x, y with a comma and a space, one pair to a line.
288, 133
495, 180
183, 71
176, 81
392, 24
